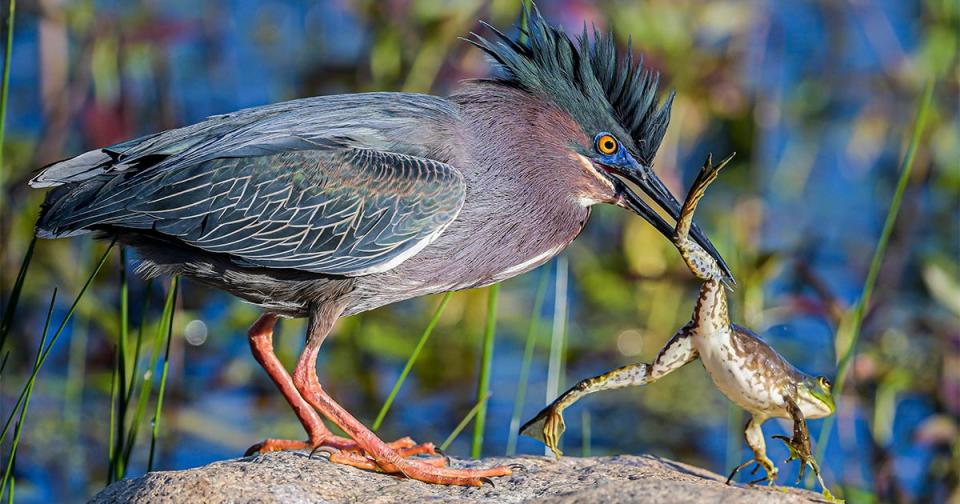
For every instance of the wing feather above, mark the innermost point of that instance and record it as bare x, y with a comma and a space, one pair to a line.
337, 211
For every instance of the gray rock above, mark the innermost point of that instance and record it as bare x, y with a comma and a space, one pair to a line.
293, 477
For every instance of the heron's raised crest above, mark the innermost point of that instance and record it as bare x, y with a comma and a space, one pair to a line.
595, 84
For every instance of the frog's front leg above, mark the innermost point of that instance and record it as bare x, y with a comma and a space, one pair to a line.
754, 436
548, 425
799, 445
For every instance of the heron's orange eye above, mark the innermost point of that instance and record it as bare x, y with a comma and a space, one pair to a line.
607, 145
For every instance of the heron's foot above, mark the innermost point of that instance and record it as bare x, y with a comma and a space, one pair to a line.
385, 458
360, 460
331, 441
799, 447
431, 469
768, 467
272, 445
547, 427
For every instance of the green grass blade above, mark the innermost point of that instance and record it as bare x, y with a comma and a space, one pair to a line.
486, 361
124, 444
168, 312
555, 364
146, 386
139, 343
11, 307
533, 328
28, 388
411, 360
463, 423
122, 350
56, 335
906, 168
121, 370
4, 93
111, 430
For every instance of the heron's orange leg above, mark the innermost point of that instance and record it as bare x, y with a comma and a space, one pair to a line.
386, 458
261, 343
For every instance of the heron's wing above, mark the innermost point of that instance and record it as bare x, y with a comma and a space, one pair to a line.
392, 122
340, 211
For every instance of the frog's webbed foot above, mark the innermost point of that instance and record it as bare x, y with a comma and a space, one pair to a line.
754, 437
770, 470
799, 446
761, 461
800, 451
547, 427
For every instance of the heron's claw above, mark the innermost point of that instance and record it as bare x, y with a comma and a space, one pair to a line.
443, 454
322, 450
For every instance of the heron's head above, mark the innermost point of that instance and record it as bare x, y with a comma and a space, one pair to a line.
612, 100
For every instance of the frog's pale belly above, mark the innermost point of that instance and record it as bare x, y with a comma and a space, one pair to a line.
735, 377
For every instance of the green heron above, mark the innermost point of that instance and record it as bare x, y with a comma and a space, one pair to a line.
744, 367
330, 206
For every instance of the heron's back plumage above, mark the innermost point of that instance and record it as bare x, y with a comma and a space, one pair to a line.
329, 185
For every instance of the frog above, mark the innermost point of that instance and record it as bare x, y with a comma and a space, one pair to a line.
745, 368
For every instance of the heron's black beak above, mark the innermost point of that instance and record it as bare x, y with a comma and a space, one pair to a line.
650, 184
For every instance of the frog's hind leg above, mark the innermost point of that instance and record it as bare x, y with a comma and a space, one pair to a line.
799, 445
548, 425
700, 262
754, 436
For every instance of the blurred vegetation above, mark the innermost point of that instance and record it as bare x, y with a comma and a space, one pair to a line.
817, 98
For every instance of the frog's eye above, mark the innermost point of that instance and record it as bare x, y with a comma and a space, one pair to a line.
606, 144
824, 383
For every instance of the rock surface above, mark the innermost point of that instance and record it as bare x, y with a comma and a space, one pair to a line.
293, 477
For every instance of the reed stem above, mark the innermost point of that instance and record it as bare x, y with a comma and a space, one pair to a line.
169, 309
533, 329
411, 360
486, 361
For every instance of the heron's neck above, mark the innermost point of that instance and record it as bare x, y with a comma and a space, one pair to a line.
520, 140
520, 207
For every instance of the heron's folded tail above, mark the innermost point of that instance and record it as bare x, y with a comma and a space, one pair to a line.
76, 169
80, 183
76, 207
